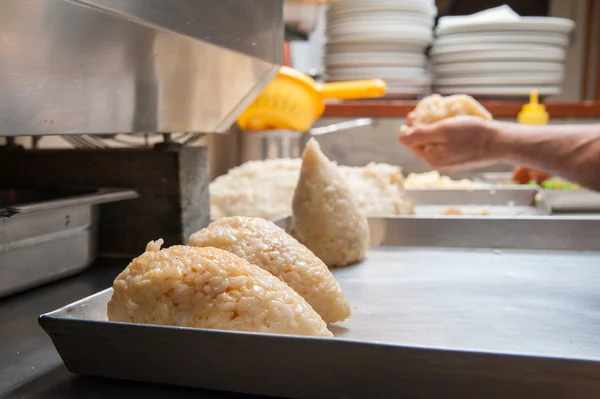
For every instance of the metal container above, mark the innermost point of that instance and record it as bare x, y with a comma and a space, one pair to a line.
48, 234
567, 201
272, 144
582, 200
123, 66
501, 201
518, 318
302, 15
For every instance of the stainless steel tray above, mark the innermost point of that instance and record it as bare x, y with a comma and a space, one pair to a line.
557, 201
582, 200
428, 322
48, 234
501, 201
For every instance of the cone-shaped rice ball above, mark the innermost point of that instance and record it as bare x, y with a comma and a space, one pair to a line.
209, 288
264, 244
326, 217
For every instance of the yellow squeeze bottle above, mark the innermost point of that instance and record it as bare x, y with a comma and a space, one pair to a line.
533, 113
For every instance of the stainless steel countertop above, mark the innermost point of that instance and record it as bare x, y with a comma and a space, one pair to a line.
30, 366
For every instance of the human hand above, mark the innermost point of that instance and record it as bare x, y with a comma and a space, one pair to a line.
410, 119
458, 142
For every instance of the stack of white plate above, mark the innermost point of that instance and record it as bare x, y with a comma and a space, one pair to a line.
505, 58
381, 39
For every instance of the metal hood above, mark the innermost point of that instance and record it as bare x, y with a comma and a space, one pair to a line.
123, 66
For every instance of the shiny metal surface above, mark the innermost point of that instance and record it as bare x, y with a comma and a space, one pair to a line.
499, 232
504, 196
476, 316
31, 368
301, 16
559, 201
273, 144
121, 66
480, 210
512, 323
501, 201
258, 146
48, 240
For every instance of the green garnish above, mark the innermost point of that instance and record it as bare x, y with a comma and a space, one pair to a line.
552, 184
560, 185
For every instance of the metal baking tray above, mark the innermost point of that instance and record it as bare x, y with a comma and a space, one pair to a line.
431, 319
47, 234
501, 201
556, 201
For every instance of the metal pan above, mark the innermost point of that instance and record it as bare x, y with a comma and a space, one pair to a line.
506, 201
558, 201
274, 144
430, 319
48, 234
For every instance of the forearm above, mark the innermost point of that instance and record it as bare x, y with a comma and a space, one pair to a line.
569, 151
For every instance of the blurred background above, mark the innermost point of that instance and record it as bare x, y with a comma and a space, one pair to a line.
419, 48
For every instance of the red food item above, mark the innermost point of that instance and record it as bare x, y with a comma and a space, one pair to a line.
523, 175
538, 176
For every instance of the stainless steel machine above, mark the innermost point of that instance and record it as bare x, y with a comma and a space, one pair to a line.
120, 66
107, 67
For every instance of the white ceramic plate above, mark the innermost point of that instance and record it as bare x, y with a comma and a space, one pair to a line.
389, 72
500, 55
406, 29
375, 17
498, 91
407, 89
494, 68
418, 77
462, 48
405, 94
529, 24
373, 33
395, 80
501, 37
374, 59
544, 79
374, 47
345, 6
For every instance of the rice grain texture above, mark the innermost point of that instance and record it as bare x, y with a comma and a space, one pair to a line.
256, 188
265, 189
265, 244
209, 288
434, 108
378, 189
326, 216
434, 179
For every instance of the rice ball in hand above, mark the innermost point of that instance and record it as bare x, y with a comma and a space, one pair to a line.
265, 244
326, 216
209, 288
435, 108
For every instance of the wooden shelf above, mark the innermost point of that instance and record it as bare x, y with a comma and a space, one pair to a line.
500, 109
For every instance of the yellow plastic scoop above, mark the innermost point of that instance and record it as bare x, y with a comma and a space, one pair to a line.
293, 100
